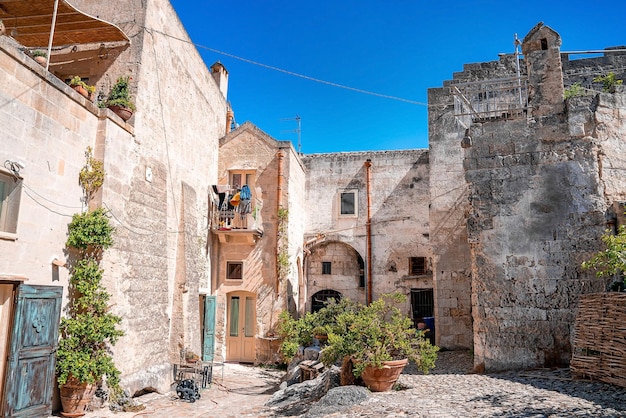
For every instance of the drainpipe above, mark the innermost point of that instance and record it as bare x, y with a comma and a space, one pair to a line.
279, 204
368, 227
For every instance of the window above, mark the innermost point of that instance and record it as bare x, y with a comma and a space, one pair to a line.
10, 192
319, 300
326, 267
417, 265
234, 270
348, 202
240, 177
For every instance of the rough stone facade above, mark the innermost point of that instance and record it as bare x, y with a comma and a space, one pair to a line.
534, 192
159, 168
276, 176
493, 219
398, 209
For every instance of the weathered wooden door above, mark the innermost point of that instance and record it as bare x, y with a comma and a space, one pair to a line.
30, 368
208, 343
240, 335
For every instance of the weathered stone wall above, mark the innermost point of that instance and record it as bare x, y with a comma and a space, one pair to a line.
449, 204
157, 189
537, 190
399, 214
48, 126
248, 148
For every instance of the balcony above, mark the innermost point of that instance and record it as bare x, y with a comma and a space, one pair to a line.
232, 226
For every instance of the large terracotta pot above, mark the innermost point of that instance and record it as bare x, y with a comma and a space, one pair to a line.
123, 112
81, 90
382, 379
76, 397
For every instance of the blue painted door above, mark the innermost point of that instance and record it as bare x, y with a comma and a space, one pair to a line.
208, 344
30, 367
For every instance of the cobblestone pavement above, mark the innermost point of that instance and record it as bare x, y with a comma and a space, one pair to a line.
450, 390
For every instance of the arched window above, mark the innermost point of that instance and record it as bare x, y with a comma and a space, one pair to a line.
318, 301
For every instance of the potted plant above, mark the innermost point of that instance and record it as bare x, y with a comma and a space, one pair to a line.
40, 56
379, 340
119, 99
88, 329
81, 87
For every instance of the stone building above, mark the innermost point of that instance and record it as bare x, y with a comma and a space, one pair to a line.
257, 249
159, 166
368, 206
485, 230
522, 185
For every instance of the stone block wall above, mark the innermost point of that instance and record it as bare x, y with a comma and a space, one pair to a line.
514, 214
399, 215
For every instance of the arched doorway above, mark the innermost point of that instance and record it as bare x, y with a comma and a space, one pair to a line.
240, 327
318, 301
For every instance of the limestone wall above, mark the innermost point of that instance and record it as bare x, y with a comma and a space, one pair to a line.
47, 126
528, 197
157, 189
249, 149
399, 216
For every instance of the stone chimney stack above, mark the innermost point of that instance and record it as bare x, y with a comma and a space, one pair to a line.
542, 54
221, 77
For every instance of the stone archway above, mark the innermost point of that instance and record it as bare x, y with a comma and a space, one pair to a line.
335, 266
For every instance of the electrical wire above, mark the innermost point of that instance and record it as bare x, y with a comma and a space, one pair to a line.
292, 73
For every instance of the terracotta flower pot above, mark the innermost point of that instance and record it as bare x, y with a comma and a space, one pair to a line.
41, 60
123, 112
76, 397
80, 89
382, 379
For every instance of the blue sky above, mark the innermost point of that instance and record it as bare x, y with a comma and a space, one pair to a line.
396, 48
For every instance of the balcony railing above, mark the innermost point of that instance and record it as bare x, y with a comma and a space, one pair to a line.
505, 98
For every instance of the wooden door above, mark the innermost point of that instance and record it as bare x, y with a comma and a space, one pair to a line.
208, 334
240, 340
30, 368
6, 310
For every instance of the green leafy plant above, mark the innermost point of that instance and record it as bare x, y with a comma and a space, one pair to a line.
612, 260
282, 258
39, 53
120, 94
370, 335
574, 90
609, 82
88, 329
91, 176
90, 230
77, 81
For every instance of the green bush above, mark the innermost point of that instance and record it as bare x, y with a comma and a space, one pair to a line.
609, 82
379, 332
369, 334
90, 229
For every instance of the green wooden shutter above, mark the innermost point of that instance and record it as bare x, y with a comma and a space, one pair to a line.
30, 367
208, 346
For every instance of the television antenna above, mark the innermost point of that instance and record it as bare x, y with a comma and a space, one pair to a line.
298, 130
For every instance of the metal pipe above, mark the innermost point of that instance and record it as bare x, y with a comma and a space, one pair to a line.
279, 205
54, 23
368, 227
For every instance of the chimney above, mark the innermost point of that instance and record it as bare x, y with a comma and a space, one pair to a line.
230, 115
221, 77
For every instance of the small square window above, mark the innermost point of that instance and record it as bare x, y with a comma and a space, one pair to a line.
10, 193
348, 203
417, 266
234, 270
326, 267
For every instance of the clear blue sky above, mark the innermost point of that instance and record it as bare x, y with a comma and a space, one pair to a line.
396, 48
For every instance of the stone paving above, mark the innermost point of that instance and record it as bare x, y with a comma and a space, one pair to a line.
451, 390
